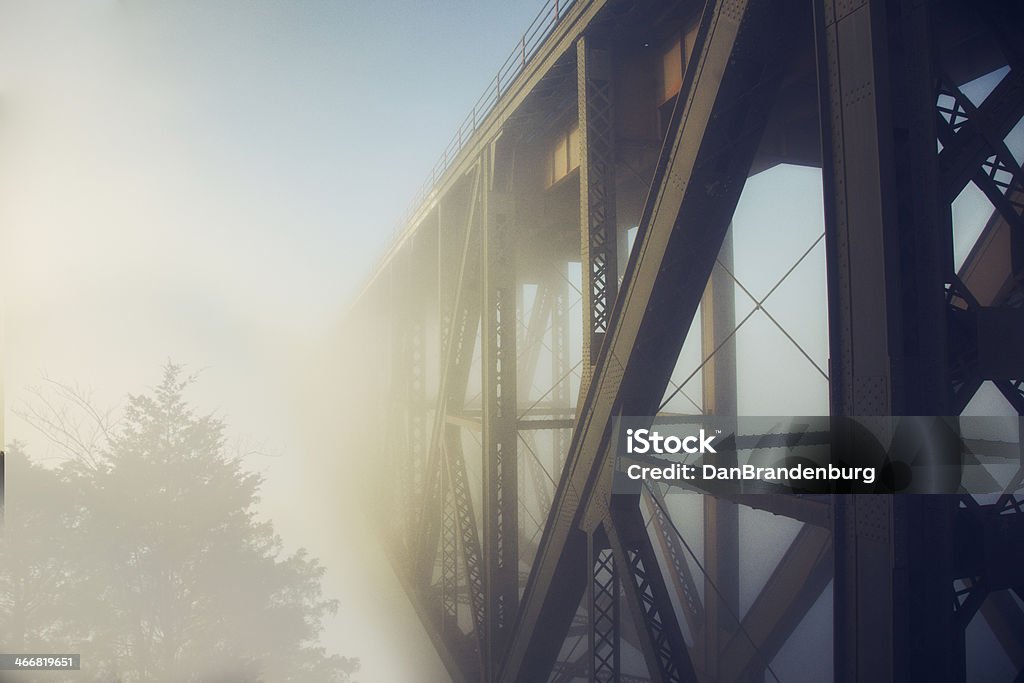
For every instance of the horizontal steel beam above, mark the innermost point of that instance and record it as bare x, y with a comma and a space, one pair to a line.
563, 423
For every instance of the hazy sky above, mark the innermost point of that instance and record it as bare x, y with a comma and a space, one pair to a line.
211, 180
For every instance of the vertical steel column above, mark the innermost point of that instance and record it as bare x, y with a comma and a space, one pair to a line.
446, 288
721, 517
597, 197
603, 612
458, 529
458, 481
886, 253
721, 580
886, 256
449, 558
498, 360
717, 322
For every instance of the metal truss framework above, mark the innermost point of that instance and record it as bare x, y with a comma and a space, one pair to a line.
604, 615
500, 567
598, 232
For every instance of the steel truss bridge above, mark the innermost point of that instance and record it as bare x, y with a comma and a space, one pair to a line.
612, 114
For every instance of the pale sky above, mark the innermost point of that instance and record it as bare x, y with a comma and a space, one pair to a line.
211, 181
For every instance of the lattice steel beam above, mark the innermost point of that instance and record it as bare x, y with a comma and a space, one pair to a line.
661, 640
456, 651
679, 568
598, 227
457, 351
977, 137
603, 613
500, 439
968, 135
458, 481
449, 559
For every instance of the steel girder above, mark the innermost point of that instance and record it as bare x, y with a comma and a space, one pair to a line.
449, 560
881, 210
459, 313
446, 294
442, 505
892, 297
598, 226
986, 338
661, 640
881, 194
603, 611
876, 364
721, 583
712, 138
969, 134
469, 540
680, 574
500, 421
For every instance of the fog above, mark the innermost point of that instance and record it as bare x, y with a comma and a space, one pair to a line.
209, 183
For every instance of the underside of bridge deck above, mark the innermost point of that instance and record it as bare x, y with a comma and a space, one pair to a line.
577, 237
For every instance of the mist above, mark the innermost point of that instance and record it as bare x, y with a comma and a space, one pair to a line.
208, 184
202, 189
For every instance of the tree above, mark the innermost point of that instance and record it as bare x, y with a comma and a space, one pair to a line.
173, 577
37, 565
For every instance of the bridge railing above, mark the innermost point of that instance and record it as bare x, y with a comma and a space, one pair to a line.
536, 33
